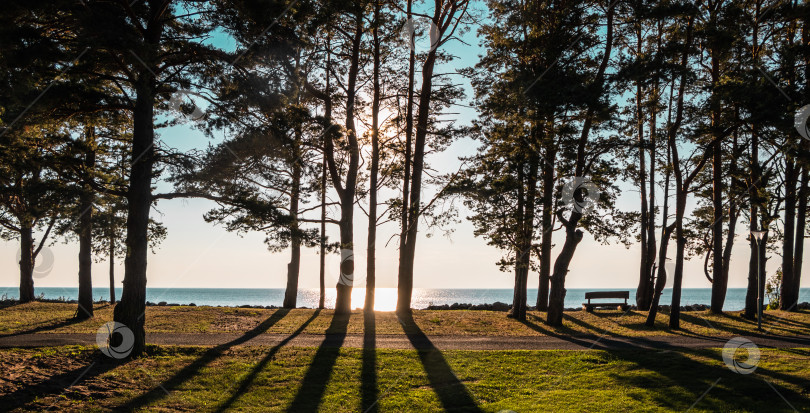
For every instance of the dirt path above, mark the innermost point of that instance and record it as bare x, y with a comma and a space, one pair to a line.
416, 341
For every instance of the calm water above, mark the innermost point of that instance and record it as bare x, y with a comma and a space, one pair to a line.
386, 297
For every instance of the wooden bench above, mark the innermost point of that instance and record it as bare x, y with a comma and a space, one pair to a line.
605, 294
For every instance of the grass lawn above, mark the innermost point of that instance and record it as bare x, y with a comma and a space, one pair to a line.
55, 318
329, 379
352, 380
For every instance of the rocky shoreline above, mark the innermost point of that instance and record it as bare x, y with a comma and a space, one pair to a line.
496, 306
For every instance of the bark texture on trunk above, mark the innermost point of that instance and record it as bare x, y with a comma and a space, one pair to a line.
666, 233
112, 269
347, 192
644, 292
573, 236
680, 250
402, 282
85, 304
26, 264
661, 279
130, 311
525, 229
557, 296
787, 287
322, 258
294, 266
719, 282
547, 219
371, 253
405, 281
798, 245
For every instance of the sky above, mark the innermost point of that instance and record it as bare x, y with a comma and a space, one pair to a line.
198, 254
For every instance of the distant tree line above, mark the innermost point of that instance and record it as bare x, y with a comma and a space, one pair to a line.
325, 104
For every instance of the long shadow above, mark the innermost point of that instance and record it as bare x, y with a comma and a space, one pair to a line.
247, 381
562, 336
672, 373
194, 368
47, 327
726, 327
452, 393
58, 384
317, 376
368, 376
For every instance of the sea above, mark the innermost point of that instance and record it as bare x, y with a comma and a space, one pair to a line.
385, 297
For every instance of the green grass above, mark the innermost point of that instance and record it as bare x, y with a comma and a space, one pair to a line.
350, 380
55, 318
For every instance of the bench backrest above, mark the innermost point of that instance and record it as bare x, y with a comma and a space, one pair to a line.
607, 294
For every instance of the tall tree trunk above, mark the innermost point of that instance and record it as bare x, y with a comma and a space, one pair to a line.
643, 292
652, 286
85, 304
801, 217
661, 279
518, 297
572, 235
112, 264
763, 260
402, 281
294, 266
526, 203
26, 264
405, 282
557, 295
680, 247
754, 184
666, 232
371, 264
130, 311
547, 219
347, 193
719, 283
328, 165
804, 191
787, 287
733, 210
681, 184
322, 257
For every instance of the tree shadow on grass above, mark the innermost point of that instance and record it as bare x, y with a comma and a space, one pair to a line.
54, 324
452, 393
186, 373
676, 381
368, 375
58, 384
567, 334
46, 327
247, 381
313, 386
735, 330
